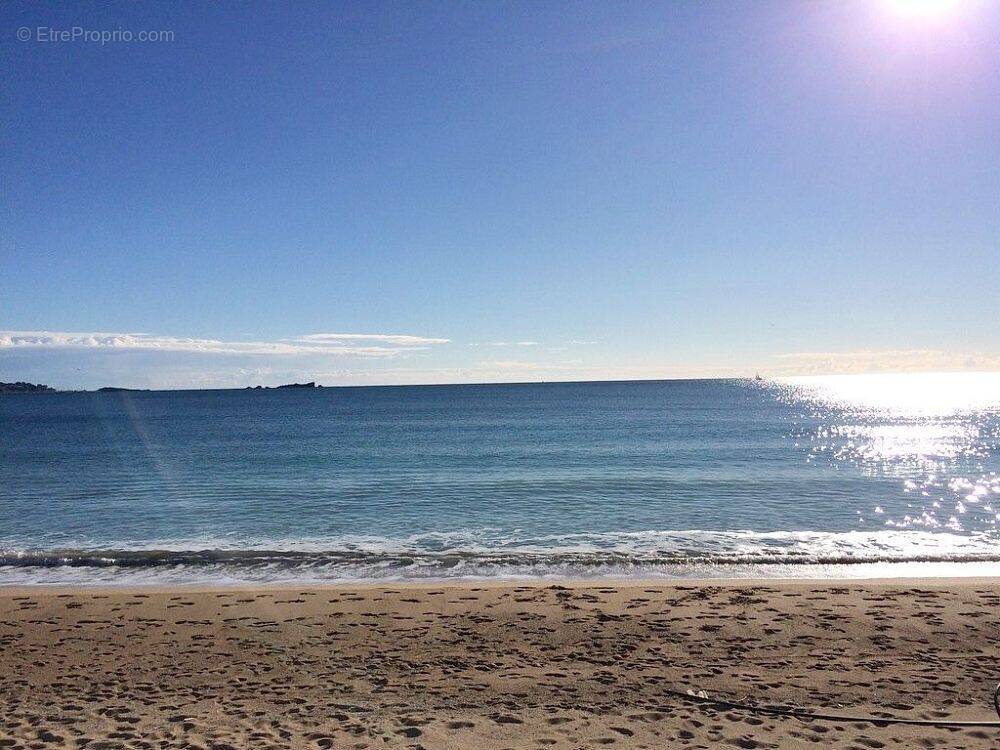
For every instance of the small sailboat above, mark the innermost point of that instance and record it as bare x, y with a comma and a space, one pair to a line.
758, 378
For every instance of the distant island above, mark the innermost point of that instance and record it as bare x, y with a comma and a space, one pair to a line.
22, 387
310, 384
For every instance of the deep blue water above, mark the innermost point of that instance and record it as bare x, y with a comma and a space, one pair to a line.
547, 479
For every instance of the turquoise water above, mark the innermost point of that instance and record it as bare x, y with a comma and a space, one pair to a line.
709, 477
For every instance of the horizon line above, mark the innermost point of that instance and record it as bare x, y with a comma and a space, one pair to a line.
752, 378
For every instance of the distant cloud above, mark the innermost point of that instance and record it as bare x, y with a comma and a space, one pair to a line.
890, 360
345, 344
528, 367
509, 364
388, 338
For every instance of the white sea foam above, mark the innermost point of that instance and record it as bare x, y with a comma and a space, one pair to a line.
487, 553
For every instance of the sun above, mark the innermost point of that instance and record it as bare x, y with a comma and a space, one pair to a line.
928, 10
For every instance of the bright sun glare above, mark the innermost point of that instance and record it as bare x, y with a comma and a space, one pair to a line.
923, 9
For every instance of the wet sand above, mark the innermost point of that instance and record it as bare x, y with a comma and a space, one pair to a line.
489, 666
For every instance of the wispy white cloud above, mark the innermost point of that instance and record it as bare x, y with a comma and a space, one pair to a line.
344, 344
84, 359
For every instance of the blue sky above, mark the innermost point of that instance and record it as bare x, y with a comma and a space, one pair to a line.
530, 191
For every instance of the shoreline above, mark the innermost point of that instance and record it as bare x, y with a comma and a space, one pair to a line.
806, 573
943, 581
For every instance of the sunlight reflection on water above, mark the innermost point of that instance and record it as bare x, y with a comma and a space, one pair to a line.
938, 433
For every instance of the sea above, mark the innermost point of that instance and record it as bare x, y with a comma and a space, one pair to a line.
821, 477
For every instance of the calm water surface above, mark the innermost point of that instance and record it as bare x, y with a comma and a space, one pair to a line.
708, 477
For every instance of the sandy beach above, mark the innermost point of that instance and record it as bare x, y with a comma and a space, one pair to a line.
491, 666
